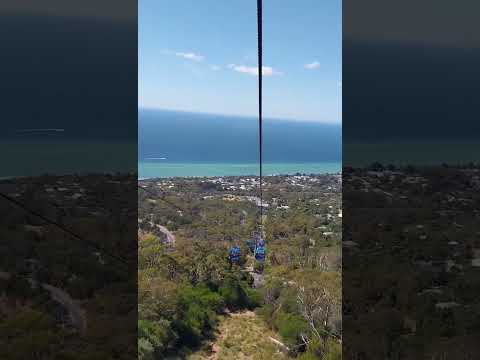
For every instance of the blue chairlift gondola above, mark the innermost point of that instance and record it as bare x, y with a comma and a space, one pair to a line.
234, 254
260, 252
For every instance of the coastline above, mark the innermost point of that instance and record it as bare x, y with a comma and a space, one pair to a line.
161, 169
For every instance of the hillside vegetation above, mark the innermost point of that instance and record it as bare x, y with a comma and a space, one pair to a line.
194, 304
63, 297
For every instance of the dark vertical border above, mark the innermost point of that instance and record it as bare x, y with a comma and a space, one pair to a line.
410, 181
68, 194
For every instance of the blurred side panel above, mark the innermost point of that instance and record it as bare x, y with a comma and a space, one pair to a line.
411, 245
68, 195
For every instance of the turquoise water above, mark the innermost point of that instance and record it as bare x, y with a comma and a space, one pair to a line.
33, 158
57, 157
152, 169
420, 153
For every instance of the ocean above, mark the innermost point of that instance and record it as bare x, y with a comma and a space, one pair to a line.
182, 144
59, 156
183, 137
176, 144
172, 144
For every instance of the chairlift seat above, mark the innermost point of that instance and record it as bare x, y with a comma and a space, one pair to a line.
235, 254
260, 253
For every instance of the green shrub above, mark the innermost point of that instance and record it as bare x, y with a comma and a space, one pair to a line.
291, 327
145, 349
309, 356
322, 350
258, 267
255, 298
289, 300
234, 294
265, 312
158, 334
28, 331
202, 296
196, 314
315, 349
332, 350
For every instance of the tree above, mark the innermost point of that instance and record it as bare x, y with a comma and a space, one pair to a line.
316, 306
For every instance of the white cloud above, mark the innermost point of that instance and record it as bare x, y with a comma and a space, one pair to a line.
190, 56
253, 70
215, 67
313, 65
186, 55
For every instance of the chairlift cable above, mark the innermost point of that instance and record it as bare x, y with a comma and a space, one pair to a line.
63, 228
260, 127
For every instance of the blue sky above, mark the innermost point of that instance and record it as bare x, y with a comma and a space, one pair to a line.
201, 56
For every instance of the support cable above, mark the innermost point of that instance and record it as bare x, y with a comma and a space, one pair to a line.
260, 127
63, 228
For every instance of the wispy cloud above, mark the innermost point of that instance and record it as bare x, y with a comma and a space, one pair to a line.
190, 56
186, 55
215, 67
313, 65
253, 70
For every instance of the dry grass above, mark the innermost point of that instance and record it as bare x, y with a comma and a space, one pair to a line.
241, 336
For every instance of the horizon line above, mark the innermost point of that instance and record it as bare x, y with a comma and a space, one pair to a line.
243, 116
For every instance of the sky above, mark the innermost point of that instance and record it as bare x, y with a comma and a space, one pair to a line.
201, 56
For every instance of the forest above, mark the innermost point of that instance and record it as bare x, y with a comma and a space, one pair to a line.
192, 299
412, 231
62, 296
